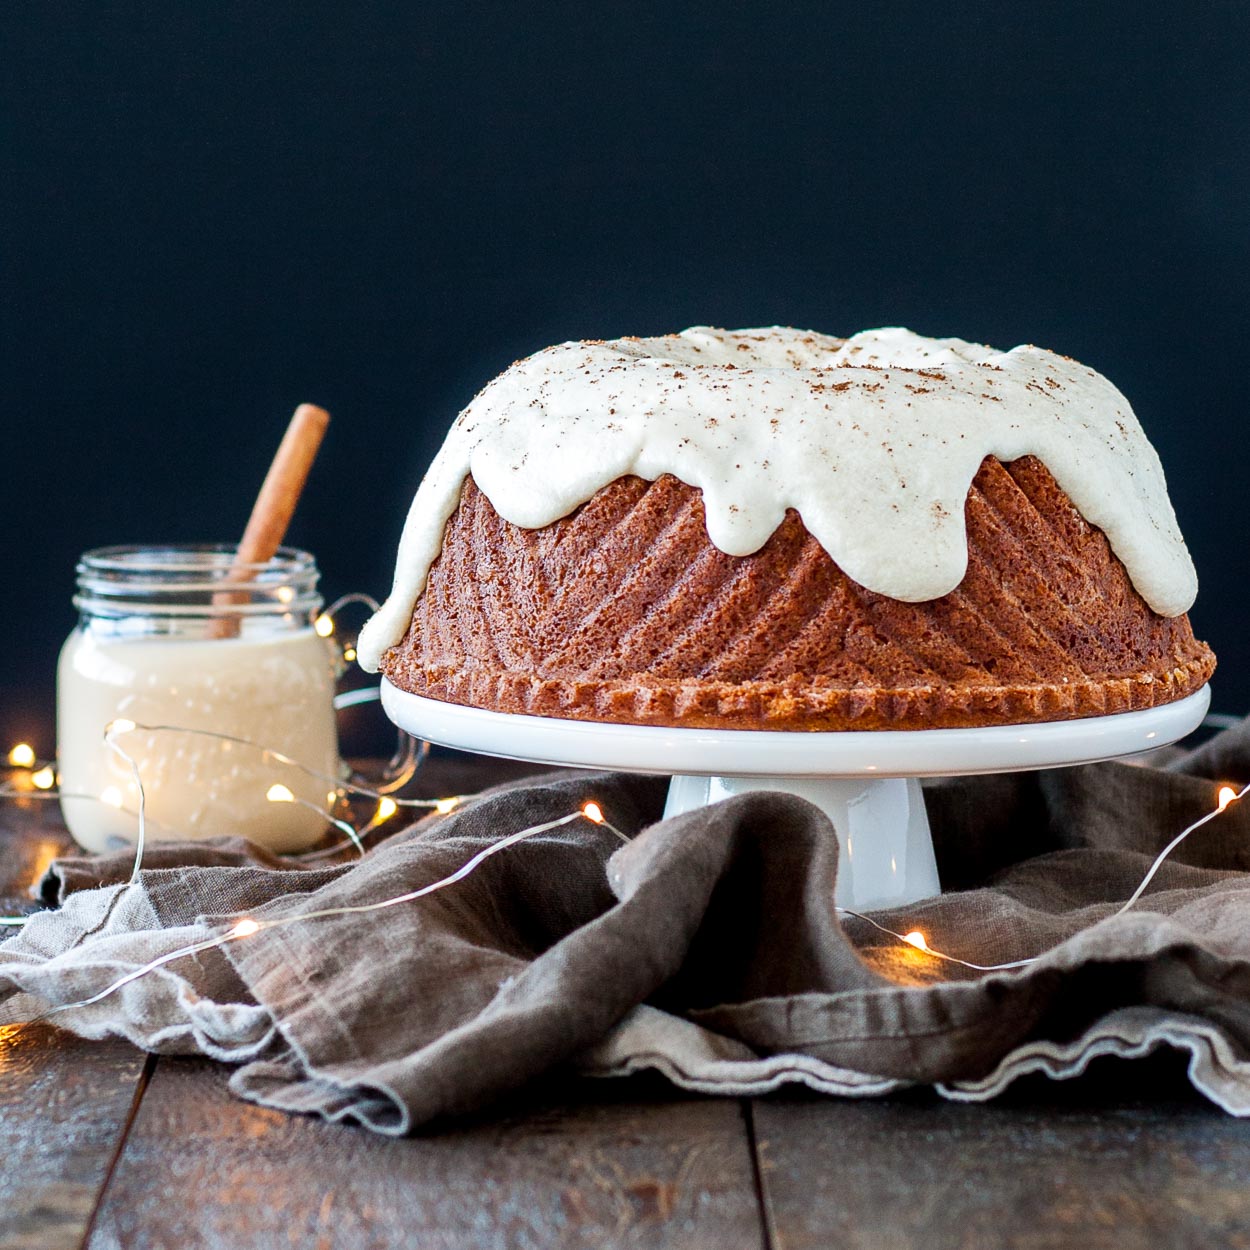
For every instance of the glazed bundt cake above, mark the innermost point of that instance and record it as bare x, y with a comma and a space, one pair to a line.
770, 529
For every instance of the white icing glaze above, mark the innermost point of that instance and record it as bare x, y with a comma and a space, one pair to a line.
873, 439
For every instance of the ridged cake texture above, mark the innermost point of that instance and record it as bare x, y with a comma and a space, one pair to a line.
778, 529
625, 611
873, 440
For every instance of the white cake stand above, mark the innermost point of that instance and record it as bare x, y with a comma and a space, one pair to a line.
866, 782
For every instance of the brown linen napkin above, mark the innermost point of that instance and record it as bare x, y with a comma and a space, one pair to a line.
707, 949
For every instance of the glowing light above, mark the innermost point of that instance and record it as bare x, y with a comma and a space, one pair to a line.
120, 726
112, 796
349, 654
22, 755
594, 813
285, 594
1227, 796
247, 926
324, 625
917, 939
44, 779
279, 794
386, 809
443, 806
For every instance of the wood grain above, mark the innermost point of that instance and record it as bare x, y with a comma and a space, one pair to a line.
1058, 1167
1090, 1164
607, 1169
64, 1106
64, 1103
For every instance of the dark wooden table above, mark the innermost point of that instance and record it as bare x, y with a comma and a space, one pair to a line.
101, 1146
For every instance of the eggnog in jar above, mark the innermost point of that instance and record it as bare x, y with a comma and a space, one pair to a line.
207, 679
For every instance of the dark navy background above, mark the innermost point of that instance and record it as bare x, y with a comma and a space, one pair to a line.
211, 212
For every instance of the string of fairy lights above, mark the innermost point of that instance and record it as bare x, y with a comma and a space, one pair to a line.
35, 778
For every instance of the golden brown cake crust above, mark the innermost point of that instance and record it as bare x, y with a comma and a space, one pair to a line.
624, 611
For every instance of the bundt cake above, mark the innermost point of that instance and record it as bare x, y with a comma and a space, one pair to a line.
773, 529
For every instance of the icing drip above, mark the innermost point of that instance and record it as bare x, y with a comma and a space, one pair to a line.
874, 440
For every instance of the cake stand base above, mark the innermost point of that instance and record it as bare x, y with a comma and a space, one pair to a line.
886, 853
865, 782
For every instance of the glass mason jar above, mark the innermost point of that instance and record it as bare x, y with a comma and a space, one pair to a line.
185, 638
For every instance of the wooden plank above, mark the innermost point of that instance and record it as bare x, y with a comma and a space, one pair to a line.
64, 1102
64, 1108
1053, 1167
602, 1169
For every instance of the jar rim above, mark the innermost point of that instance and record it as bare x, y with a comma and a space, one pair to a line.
194, 580
190, 558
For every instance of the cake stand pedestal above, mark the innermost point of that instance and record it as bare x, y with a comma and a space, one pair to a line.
867, 783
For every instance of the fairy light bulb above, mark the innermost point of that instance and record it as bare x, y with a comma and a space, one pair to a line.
594, 813
22, 755
120, 726
324, 625
387, 807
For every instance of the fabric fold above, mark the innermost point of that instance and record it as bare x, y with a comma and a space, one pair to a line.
707, 949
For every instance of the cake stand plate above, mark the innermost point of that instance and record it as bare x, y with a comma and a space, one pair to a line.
866, 782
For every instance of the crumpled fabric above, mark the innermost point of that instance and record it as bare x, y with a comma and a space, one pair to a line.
707, 949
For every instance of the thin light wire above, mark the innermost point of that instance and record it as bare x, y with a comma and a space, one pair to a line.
247, 927
282, 758
125, 726
110, 731
51, 795
1224, 804
926, 949
183, 952
463, 871
324, 852
594, 813
1159, 861
9, 791
355, 597
443, 805
353, 838
400, 770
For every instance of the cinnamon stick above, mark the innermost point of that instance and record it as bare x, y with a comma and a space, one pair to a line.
274, 508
